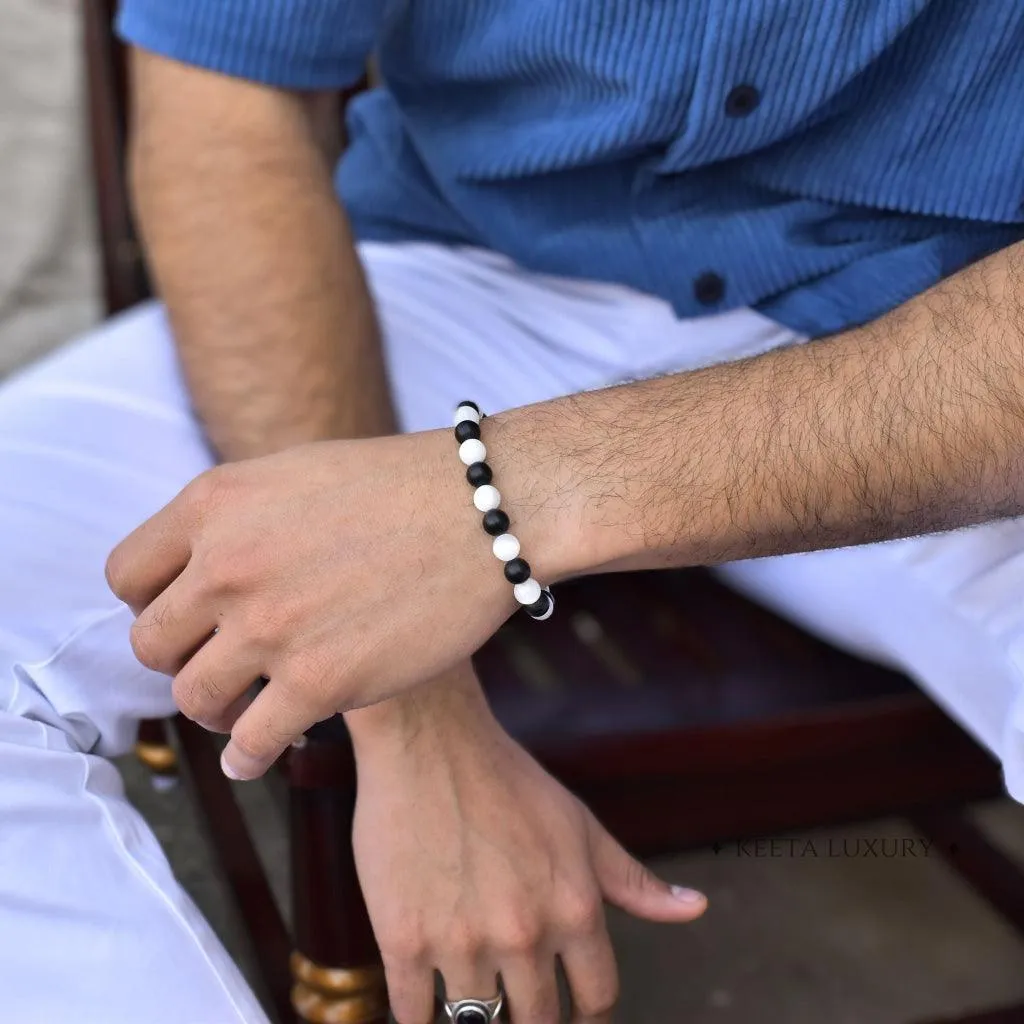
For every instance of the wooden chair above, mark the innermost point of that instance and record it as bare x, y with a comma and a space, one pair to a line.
680, 712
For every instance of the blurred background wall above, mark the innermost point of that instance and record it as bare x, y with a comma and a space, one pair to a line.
48, 289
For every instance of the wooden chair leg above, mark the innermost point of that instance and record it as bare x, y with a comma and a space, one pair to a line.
153, 748
994, 875
336, 967
239, 861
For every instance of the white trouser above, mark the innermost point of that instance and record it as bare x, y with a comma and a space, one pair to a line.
93, 927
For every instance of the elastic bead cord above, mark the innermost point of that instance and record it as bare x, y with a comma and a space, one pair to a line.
538, 602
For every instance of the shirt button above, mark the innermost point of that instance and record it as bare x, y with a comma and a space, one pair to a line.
741, 101
709, 288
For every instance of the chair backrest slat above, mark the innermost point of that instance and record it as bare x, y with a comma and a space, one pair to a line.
124, 276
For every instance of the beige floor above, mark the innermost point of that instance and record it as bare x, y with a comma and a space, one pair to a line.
789, 940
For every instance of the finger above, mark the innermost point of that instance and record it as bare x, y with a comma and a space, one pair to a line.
275, 719
213, 686
593, 978
531, 990
172, 627
629, 885
600, 1018
469, 976
410, 992
153, 554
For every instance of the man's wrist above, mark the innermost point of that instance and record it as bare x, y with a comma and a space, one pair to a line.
568, 522
441, 705
536, 481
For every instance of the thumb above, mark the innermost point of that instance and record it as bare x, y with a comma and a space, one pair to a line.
627, 884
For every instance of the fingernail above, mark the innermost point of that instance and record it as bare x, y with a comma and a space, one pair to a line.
687, 895
228, 770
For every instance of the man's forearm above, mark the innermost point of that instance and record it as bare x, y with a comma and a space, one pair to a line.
253, 256
912, 424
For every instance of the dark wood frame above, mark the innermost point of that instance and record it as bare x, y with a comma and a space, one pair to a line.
123, 274
738, 753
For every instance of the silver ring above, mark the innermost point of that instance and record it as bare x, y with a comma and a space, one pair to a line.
474, 1011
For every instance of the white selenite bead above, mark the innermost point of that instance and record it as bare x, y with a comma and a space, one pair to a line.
506, 547
528, 592
472, 450
486, 497
463, 413
549, 612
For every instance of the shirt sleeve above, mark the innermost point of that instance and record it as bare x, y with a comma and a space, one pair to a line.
293, 44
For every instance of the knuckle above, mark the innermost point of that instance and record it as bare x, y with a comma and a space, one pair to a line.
145, 645
305, 694
519, 935
207, 489
250, 745
188, 706
195, 696
216, 722
215, 571
117, 574
580, 913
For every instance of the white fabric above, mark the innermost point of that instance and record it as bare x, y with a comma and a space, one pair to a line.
93, 928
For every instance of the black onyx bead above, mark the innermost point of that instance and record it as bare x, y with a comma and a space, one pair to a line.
479, 474
472, 405
708, 289
742, 100
465, 430
496, 522
471, 1015
539, 608
517, 570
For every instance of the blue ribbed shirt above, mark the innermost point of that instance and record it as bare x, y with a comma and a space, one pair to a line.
819, 160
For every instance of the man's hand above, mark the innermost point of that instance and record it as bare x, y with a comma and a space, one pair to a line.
344, 572
475, 862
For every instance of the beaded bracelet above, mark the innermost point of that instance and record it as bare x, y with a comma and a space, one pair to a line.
537, 601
